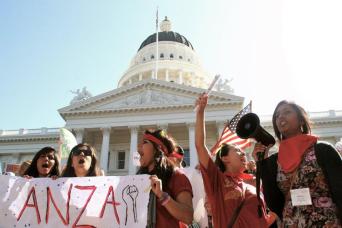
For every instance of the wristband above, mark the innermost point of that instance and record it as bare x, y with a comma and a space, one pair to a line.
164, 199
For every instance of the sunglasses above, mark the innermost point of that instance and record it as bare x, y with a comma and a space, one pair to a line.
85, 152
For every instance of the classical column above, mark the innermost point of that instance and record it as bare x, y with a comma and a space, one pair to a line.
133, 148
140, 76
105, 149
152, 74
219, 126
192, 148
180, 77
79, 135
167, 75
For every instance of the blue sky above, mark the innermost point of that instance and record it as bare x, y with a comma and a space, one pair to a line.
272, 50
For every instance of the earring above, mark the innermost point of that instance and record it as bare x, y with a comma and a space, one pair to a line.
302, 128
281, 137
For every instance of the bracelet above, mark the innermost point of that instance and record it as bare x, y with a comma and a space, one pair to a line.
164, 199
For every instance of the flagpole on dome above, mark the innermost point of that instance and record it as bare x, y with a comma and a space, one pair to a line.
157, 46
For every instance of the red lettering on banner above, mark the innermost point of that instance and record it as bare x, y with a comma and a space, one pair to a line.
48, 198
35, 205
113, 202
93, 188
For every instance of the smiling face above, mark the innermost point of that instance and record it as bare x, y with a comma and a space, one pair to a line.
287, 121
45, 163
81, 161
146, 152
235, 160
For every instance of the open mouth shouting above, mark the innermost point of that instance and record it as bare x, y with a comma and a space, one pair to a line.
81, 161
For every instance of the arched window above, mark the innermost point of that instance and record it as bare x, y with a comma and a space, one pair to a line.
144, 59
161, 55
171, 56
152, 56
180, 57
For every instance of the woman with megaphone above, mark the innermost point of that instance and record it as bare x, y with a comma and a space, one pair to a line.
233, 202
302, 183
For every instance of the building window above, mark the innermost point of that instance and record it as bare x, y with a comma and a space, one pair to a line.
152, 56
121, 160
189, 60
171, 56
180, 57
161, 55
144, 59
186, 157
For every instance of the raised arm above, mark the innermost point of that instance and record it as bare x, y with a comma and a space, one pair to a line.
202, 150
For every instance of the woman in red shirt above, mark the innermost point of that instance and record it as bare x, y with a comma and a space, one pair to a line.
223, 180
171, 187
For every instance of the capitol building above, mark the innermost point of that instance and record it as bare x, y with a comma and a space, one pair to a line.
148, 97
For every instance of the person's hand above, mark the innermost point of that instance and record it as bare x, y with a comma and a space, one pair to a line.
201, 102
271, 217
156, 185
27, 177
258, 148
54, 177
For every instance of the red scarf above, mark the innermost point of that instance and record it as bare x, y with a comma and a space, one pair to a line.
241, 176
291, 151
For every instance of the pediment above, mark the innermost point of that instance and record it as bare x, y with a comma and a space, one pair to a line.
147, 94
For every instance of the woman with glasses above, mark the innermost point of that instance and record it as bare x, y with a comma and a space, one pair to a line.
82, 162
233, 202
44, 164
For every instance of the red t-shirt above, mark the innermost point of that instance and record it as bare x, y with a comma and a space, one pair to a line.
178, 183
224, 194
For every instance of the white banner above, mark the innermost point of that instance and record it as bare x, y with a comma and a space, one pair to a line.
74, 202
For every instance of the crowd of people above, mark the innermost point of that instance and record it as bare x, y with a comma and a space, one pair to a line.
301, 184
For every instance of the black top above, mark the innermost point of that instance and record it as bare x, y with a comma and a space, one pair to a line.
166, 36
328, 159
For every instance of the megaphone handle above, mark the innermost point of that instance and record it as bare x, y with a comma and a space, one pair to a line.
261, 155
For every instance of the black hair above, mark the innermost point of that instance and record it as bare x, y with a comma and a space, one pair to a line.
301, 115
223, 151
163, 168
94, 169
32, 170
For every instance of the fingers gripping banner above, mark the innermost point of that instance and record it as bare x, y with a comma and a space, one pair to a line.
74, 202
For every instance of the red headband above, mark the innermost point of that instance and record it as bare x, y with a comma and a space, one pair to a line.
151, 138
176, 155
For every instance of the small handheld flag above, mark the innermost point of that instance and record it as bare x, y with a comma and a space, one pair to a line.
229, 135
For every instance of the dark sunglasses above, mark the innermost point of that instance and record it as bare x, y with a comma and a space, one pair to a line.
85, 152
49, 156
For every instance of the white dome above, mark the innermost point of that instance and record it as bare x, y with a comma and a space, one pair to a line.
177, 60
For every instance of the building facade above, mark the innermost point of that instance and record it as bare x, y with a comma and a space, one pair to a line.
113, 122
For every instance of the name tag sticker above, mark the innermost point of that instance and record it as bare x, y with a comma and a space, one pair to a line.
300, 197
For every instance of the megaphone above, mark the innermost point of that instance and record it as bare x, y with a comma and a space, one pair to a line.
249, 127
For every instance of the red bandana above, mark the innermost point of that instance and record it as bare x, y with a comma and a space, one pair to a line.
176, 155
291, 151
242, 176
161, 145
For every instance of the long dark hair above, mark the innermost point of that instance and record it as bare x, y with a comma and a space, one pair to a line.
32, 169
163, 168
94, 169
301, 115
223, 151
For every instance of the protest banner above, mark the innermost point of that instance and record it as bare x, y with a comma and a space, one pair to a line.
74, 202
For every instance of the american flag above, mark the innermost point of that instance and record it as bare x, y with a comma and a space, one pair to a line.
228, 134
